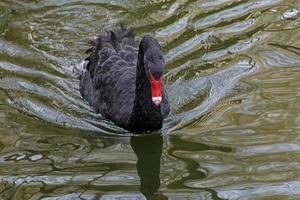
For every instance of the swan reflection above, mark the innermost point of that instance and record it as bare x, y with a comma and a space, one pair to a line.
148, 150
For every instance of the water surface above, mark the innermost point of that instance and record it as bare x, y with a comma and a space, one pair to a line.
232, 72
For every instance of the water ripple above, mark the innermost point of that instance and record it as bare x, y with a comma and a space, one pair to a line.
233, 12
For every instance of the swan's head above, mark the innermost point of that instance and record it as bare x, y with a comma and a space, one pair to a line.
154, 67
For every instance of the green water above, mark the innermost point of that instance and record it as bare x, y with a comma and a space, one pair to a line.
233, 76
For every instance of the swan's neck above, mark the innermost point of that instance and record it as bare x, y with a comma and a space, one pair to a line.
145, 113
143, 91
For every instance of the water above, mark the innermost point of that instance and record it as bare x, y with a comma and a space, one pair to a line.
232, 70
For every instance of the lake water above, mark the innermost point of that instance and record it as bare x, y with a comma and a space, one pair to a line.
233, 76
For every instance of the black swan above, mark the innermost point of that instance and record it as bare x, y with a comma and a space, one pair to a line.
124, 81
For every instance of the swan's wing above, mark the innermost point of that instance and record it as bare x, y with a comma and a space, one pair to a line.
109, 83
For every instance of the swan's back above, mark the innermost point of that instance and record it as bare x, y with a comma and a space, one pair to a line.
108, 84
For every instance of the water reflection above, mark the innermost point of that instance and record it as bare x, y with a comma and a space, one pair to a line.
148, 151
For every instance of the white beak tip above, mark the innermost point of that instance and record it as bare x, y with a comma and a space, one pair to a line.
156, 100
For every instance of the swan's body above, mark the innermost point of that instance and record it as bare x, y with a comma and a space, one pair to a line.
123, 82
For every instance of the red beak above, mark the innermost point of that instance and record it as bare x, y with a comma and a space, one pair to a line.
156, 90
